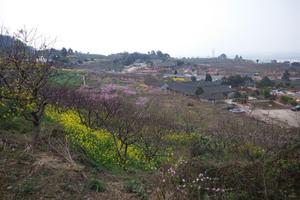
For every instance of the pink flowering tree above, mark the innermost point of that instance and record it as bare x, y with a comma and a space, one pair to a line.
129, 121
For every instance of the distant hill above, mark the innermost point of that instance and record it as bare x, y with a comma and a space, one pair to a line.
118, 61
5, 41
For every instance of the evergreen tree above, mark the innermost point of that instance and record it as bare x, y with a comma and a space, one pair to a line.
286, 76
64, 52
199, 91
70, 51
208, 77
265, 82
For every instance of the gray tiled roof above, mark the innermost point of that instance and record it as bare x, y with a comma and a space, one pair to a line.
211, 90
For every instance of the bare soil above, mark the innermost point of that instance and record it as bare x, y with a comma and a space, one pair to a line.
284, 117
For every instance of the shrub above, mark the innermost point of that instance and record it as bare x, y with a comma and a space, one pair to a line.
185, 180
25, 189
265, 82
190, 104
96, 185
287, 100
134, 186
204, 145
180, 138
266, 93
199, 91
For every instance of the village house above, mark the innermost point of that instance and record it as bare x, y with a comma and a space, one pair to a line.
212, 91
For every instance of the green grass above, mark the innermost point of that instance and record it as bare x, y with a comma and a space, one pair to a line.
68, 78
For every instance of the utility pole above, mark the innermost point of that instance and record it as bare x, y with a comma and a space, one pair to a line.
213, 53
83, 78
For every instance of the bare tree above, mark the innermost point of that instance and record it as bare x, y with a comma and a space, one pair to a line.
25, 71
128, 123
156, 124
100, 110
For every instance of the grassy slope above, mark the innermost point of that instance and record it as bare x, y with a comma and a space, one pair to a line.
43, 173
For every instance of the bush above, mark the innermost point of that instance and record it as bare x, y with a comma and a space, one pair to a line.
190, 104
134, 186
265, 82
13, 121
240, 97
199, 179
96, 185
26, 189
266, 93
204, 145
288, 100
180, 138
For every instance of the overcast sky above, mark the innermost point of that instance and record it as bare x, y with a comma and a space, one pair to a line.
179, 27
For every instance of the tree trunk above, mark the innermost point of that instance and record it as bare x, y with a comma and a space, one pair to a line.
36, 134
36, 129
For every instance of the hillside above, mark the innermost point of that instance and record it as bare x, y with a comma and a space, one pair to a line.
69, 130
45, 173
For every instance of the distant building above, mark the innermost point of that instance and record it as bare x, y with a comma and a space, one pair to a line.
212, 91
161, 63
138, 64
177, 75
214, 77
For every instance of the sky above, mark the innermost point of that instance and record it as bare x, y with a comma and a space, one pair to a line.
182, 28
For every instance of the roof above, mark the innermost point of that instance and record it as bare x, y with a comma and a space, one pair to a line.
164, 87
183, 88
211, 90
